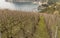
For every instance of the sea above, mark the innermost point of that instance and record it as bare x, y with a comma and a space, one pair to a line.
22, 6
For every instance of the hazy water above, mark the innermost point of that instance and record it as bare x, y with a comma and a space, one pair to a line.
18, 6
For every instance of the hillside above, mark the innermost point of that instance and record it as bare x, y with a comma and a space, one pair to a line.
18, 24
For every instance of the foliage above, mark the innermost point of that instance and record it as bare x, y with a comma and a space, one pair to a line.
42, 30
51, 9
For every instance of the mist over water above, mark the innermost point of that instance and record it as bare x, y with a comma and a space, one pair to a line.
18, 6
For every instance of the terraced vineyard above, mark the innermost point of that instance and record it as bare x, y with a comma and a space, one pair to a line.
18, 24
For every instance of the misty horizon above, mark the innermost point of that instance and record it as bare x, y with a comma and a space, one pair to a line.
17, 6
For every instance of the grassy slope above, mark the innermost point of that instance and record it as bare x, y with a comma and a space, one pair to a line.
18, 24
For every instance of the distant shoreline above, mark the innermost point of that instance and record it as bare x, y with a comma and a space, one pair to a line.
18, 6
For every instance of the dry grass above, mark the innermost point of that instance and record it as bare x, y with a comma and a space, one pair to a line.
18, 24
52, 21
13, 23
